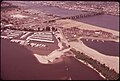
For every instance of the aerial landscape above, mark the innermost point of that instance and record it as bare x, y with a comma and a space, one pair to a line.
59, 40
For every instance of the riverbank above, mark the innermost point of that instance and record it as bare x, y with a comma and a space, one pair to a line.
57, 53
104, 21
107, 72
110, 61
67, 23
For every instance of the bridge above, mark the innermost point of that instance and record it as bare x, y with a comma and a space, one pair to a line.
84, 15
90, 13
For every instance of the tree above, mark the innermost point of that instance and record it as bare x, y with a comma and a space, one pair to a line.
25, 29
59, 39
47, 28
69, 46
38, 29
56, 29
53, 29
43, 29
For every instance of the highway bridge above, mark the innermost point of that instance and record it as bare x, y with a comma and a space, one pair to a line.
83, 15
78, 16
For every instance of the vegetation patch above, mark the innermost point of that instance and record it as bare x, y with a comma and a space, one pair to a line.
108, 73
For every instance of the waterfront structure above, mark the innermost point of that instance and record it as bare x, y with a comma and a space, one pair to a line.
41, 36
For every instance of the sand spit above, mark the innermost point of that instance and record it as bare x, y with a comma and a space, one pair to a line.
53, 55
110, 61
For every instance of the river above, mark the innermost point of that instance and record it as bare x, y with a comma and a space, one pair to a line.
19, 63
106, 21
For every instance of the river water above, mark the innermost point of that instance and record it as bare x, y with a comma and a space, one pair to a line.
19, 63
106, 21
107, 47
56, 10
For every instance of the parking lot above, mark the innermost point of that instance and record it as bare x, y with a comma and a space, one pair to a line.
37, 42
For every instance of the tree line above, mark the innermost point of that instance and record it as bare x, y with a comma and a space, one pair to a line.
30, 29
108, 73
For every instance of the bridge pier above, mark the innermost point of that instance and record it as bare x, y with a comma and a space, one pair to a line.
84, 15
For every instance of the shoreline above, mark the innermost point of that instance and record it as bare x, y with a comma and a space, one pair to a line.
57, 53
68, 23
114, 63
91, 67
110, 61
